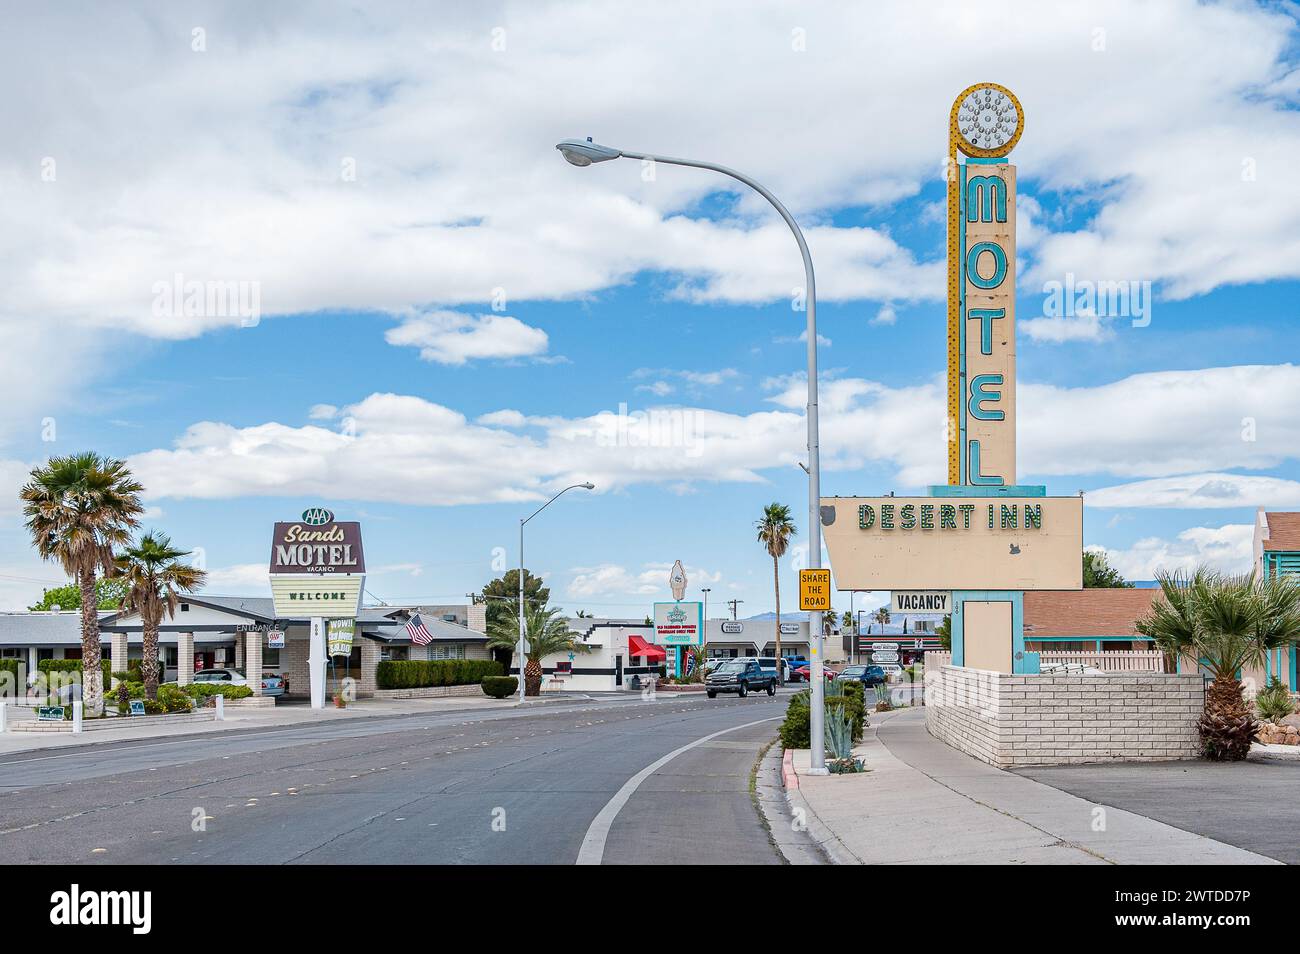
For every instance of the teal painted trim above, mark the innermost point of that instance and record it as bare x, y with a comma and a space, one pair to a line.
1294, 673
1083, 639
1017, 601
1005, 490
961, 332
1268, 667
1033, 664
1096, 646
995, 161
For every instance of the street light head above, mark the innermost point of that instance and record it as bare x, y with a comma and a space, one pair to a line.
583, 152
588, 486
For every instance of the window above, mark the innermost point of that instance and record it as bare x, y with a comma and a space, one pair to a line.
72, 653
12, 653
396, 653
171, 657
270, 659
446, 650
185, 607
44, 654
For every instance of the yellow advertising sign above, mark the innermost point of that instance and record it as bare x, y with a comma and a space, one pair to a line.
814, 590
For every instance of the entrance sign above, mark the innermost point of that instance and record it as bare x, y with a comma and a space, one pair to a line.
920, 601
340, 634
955, 543
814, 590
679, 624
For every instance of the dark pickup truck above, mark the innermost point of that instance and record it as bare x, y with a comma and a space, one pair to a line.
740, 676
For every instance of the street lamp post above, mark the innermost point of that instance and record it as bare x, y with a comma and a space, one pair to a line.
522, 521
704, 636
581, 152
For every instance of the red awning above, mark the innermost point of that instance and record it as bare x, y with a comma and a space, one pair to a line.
636, 646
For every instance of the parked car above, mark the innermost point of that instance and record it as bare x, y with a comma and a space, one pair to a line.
867, 675
272, 684
804, 672
740, 676
768, 664
795, 663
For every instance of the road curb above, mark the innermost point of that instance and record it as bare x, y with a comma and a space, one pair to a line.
795, 843
789, 778
836, 852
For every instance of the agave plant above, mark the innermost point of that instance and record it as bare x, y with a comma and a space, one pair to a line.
839, 733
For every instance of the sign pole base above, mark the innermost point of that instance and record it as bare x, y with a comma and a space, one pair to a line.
316, 662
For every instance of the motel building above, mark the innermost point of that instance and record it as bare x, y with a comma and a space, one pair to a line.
241, 632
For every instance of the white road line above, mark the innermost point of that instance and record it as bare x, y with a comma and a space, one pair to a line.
592, 851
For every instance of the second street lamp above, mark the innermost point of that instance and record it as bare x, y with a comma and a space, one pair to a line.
523, 520
584, 152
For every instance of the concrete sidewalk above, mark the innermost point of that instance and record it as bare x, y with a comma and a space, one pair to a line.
280, 716
923, 802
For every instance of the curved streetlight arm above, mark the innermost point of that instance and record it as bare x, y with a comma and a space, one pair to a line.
522, 521
814, 456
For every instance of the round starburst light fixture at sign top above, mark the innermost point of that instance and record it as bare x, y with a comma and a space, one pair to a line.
987, 120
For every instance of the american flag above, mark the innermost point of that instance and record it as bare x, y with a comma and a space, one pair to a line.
416, 630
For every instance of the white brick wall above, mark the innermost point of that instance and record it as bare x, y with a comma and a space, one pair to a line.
1009, 720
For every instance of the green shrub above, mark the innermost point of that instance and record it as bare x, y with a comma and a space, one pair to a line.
206, 690
1273, 702
795, 731
10, 666
72, 665
418, 673
172, 699
500, 687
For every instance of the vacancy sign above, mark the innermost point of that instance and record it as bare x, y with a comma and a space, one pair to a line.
814, 590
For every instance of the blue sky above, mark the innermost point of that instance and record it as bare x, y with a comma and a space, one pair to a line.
379, 379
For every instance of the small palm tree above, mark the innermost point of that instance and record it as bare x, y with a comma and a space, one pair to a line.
155, 579
881, 616
546, 633
774, 531
1227, 623
78, 509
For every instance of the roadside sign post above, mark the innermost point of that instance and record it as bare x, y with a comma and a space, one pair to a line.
815, 599
76, 715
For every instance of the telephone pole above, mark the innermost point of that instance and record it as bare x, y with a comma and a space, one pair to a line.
733, 604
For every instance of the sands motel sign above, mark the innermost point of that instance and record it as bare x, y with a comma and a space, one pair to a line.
982, 537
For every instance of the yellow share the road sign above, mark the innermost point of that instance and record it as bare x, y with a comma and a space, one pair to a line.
814, 590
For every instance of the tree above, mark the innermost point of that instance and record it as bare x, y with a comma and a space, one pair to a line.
847, 622
155, 579
944, 632
881, 616
108, 593
77, 509
774, 531
547, 633
1097, 571
503, 593
1227, 623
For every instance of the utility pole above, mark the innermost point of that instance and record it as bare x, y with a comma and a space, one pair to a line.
733, 604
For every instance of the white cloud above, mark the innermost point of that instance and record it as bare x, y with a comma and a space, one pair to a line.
1201, 491
341, 179
242, 579
1059, 330
1226, 548
1157, 424
611, 579
886, 316
449, 337
322, 412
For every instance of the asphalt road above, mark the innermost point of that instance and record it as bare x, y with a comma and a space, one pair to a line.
1248, 804
503, 786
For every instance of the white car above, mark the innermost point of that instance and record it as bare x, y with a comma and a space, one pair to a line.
272, 685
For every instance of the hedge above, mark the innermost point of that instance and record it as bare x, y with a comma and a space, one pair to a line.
499, 687
72, 665
202, 690
416, 673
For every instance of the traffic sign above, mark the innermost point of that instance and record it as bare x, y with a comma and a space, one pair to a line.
814, 590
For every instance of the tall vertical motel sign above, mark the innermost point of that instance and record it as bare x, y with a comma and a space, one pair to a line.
982, 537
985, 124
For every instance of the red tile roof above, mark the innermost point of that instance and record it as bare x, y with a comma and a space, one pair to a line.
1283, 531
1086, 613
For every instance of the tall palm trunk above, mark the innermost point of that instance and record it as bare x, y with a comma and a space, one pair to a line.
1226, 725
149, 667
92, 676
776, 583
533, 677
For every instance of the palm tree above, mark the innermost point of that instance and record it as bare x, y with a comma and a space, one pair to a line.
77, 509
774, 532
546, 633
1227, 623
881, 616
155, 579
